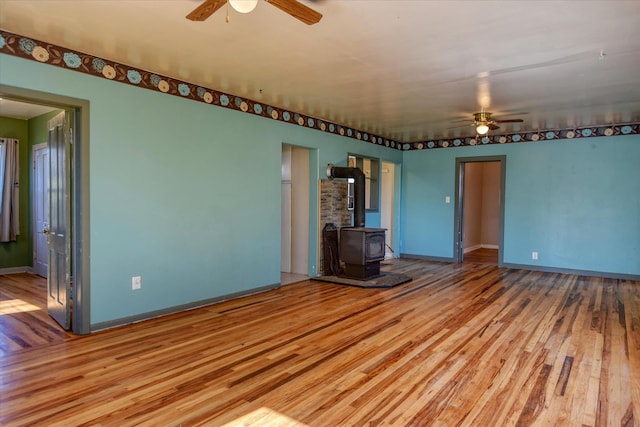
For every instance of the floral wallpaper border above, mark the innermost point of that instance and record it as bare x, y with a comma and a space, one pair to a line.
527, 136
36, 50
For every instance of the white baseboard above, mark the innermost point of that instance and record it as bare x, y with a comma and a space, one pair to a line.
15, 270
480, 246
490, 246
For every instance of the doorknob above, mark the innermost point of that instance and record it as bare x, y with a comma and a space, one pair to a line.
45, 231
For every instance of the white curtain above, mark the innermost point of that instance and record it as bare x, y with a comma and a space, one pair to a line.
9, 188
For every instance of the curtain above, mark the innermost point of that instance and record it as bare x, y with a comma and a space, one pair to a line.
9, 187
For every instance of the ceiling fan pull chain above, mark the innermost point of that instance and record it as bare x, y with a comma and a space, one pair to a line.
227, 18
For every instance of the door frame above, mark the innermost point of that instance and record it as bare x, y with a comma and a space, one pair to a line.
458, 245
80, 247
313, 201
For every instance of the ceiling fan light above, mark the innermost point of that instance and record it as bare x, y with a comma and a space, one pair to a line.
243, 6
482, 129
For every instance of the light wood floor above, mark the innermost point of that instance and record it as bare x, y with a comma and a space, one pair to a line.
482, 255
24, 322
460, 345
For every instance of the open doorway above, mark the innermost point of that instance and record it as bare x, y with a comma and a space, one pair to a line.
67, 201
295, 184
479, 210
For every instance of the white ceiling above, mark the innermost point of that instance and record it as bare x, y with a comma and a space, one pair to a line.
21, 110
406, 70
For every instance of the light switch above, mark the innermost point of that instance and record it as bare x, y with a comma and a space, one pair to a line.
447, 199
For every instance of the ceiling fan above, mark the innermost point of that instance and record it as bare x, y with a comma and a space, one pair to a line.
291, 7
483, 122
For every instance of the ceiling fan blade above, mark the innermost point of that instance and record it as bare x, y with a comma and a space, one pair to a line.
509, 121
519, 113
297, 10
493, 127
205, 10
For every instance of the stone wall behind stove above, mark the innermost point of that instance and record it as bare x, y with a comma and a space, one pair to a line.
333, 208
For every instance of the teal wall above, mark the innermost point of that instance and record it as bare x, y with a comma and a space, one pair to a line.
575, 202
187, 195
184, 194
18, 253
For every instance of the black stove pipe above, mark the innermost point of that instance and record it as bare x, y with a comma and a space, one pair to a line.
358, 189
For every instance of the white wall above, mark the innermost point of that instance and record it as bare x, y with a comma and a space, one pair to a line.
472, 205
490, 233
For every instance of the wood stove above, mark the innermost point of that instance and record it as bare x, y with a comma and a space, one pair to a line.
361, 250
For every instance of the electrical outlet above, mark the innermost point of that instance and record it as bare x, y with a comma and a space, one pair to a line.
534, 255
136, 282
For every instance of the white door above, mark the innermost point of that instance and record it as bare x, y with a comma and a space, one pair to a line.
386, 211
40, 209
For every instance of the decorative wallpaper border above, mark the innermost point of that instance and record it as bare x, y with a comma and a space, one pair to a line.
36, 50
527, 136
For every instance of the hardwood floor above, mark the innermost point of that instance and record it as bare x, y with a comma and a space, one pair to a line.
482, 255
24, 322
461, 345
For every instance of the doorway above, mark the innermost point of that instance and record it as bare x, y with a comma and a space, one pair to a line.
295, 184
479, 209
71, 242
